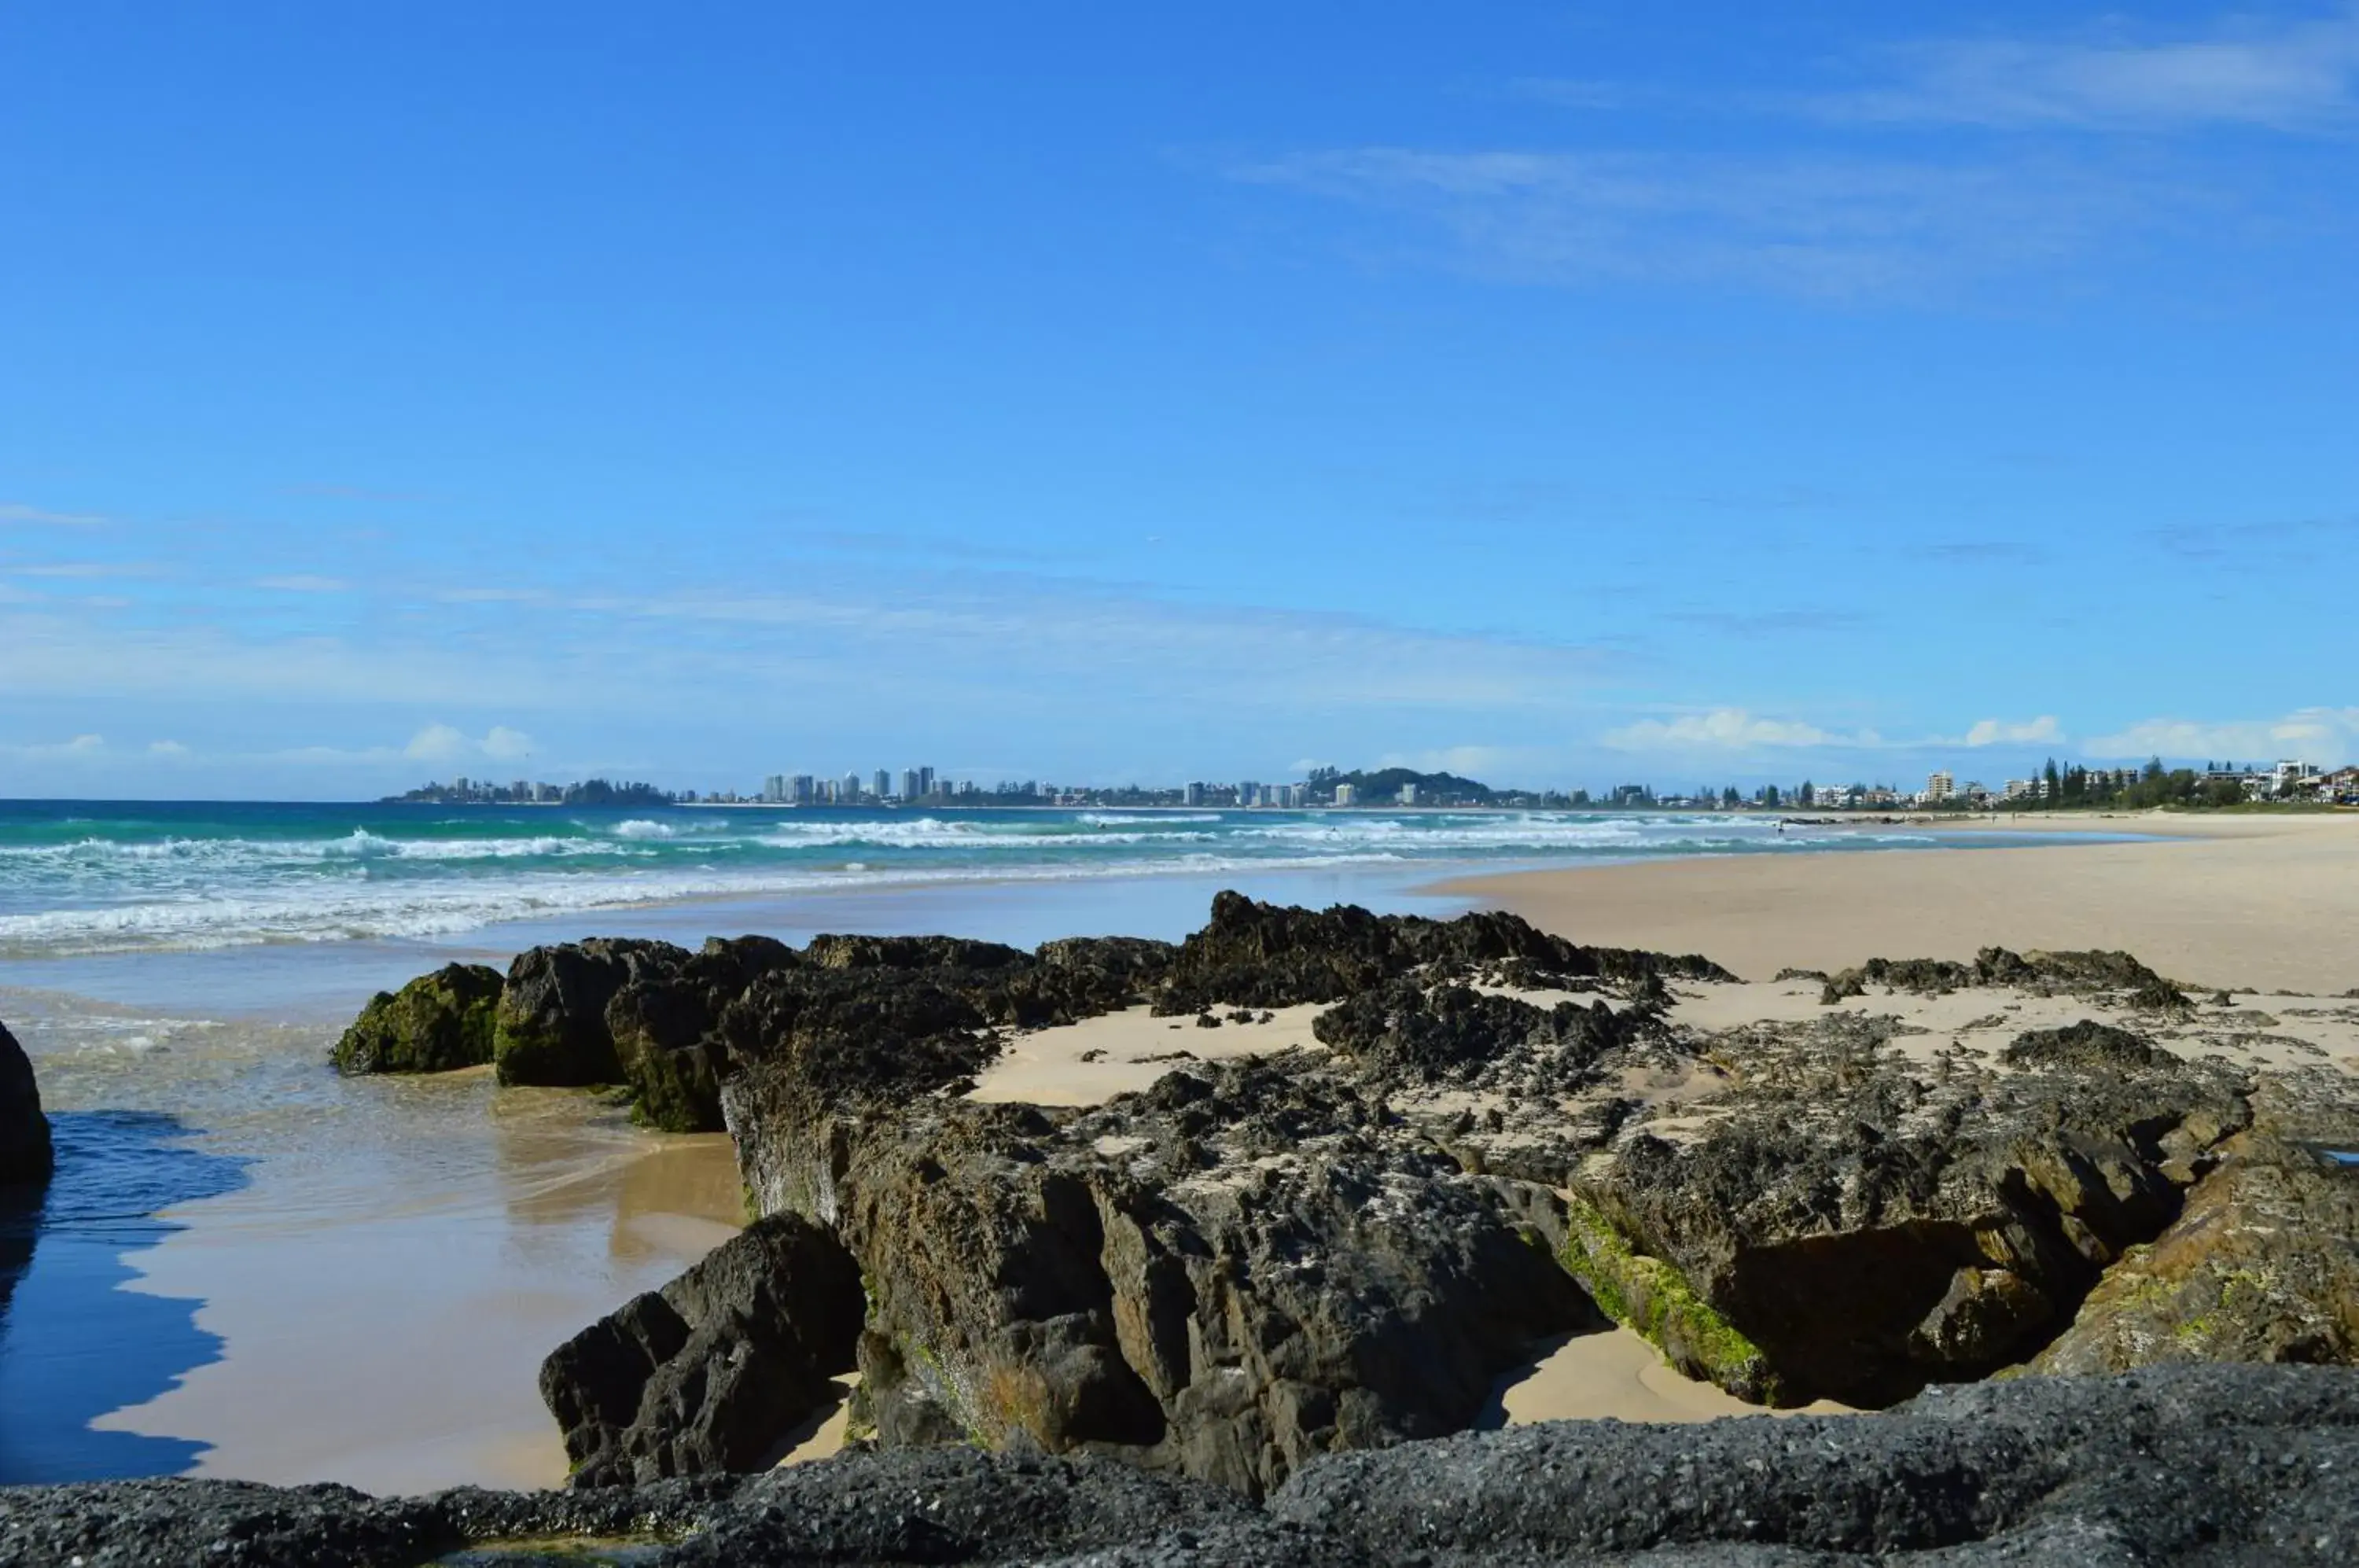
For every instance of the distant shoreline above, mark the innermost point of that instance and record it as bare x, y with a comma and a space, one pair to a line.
2219, 899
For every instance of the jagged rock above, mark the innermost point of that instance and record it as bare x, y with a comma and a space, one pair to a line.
552, 1025
1402, 1033
436, 1023
2043, 974
1842, 1227
713, 1371
2085, 1044
1240, 1269
1264, 955
2193, 1466
666, 1021
2262, 1264
25, 1156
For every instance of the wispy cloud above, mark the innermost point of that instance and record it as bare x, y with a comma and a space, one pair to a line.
1824, 226
1768, 625
2041, 731
2284, 76
2295, 542
302, 583
1982, 552
1732, 730
447, 743
2321, 734
88, 570
17, 512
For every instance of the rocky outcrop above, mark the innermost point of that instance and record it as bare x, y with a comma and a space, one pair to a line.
436, 1023
1222, 1277
25, 1152
669, 1024
1254, 1264
1846, 1226
2262, 1262
2184, 1465
1264, 956
714, 1371
2039, 974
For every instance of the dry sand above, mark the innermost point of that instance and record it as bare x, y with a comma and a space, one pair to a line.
1090, 1063
2268, 901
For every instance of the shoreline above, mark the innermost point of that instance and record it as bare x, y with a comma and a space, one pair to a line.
2221, 901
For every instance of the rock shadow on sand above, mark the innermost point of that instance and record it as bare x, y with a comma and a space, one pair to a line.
75, 1343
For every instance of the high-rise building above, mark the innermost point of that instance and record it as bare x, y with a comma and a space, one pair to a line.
1248, 794
1346, 794
881, 786
925, 783
909, 785
1408, 794
850, 793
1193, 795
1939, 787
798, 789
774, 788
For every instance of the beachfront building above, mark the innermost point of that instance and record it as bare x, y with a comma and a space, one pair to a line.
882, 785
1939, 787
1408, 794
910, 784
774, 788
1192, 796
1346, 794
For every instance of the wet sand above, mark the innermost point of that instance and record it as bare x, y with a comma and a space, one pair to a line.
389, 1336
2264, 900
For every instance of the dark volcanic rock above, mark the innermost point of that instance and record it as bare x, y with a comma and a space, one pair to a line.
2262, 1263
883, 1014
1223, 1276
2186, 1466
2042, 974
1403, 1033
435, 1023
711, 1372
1264, 956
24, 1153
2085, 1044
1844, 1226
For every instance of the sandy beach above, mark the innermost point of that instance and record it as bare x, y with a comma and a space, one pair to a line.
2262, 900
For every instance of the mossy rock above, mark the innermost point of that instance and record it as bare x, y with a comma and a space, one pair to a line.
1655, 1300
434, 1024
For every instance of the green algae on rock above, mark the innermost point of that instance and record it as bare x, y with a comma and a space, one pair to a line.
436, 1023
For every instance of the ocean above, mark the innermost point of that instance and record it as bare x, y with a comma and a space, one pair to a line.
250, 1266
79, 878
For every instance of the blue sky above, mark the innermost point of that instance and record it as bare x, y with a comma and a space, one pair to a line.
1559, 393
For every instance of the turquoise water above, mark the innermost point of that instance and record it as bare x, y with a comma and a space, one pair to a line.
80, 878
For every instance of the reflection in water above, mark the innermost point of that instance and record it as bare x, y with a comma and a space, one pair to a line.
73, 1344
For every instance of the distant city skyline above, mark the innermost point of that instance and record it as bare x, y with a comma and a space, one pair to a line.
1720, 391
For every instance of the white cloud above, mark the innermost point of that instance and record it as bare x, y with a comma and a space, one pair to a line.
303, 584
2328, 735
1998, 732
167, 748
1732, 730
445, 743
437, 742
2288, 77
